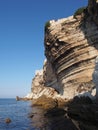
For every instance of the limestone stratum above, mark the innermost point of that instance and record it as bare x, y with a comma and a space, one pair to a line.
71, 48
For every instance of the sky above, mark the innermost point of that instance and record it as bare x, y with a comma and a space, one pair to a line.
22, 40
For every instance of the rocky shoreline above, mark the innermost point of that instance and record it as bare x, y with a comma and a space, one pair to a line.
69, 78
77, 114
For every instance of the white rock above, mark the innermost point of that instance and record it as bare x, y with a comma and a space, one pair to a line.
95, 76
29, 95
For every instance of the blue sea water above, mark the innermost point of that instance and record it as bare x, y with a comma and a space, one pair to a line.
24, 116
18, 112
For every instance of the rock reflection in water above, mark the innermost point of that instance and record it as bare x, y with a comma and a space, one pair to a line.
38, 119
54, 119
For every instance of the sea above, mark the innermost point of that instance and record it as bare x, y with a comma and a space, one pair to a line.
18, 112
24, 116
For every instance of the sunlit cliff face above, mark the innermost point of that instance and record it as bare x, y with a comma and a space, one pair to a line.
72, 49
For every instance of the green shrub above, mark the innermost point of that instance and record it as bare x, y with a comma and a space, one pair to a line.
47, 25
79, 11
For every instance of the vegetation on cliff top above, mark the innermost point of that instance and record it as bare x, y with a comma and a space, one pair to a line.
79, 11
47, 25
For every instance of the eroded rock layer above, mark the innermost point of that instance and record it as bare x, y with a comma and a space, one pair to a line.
71, 46
38, 87
49, 76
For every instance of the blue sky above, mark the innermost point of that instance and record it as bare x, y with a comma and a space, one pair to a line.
22, 39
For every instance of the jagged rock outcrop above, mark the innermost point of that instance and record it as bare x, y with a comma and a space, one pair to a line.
38, 87
45, 96
71, 46
38, 79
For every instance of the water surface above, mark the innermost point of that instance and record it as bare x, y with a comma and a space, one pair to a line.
25, 117
17, 111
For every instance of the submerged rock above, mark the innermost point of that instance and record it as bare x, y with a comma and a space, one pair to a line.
8, 120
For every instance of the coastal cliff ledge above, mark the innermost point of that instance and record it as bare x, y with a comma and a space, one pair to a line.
71, 48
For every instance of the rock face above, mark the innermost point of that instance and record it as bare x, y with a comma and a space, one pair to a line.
49, 76
93, 10
38, 87
84, 111
71, 46
95, 76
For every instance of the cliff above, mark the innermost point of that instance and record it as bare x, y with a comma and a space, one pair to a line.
71, 48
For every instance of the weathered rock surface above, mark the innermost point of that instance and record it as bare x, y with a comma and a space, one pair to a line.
95, 76
43, 95
49, 76
71, 46
39, 89
45, 102
85, 112
93, 10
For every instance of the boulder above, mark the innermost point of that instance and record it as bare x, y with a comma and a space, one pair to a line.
8, 120
45, 102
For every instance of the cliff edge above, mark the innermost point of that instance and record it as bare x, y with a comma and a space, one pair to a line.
71, 48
